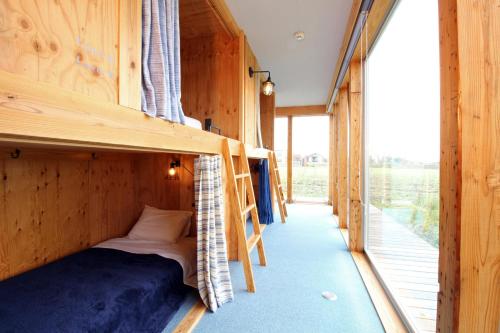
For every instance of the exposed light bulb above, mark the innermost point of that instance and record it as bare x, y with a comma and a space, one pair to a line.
171, 171
268, 88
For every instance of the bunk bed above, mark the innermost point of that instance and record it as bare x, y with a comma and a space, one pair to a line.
82, 148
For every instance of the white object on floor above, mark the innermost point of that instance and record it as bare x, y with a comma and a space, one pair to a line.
184, 252
191, 122
329, 295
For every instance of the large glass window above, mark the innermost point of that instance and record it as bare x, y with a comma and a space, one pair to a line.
402, 159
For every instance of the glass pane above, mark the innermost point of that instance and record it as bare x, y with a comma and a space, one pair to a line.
280, 147
310, 158
402, 147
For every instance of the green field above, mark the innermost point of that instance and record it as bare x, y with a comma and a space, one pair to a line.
410, 196
309, 182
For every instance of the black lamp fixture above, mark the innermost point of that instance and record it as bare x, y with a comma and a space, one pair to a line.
268, 85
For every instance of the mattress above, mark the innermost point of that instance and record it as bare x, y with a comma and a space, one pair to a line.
96, 290
191, 122
184, 252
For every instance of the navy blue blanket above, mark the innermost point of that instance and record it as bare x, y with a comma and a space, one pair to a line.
96, 290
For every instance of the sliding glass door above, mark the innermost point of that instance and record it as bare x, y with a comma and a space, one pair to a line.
402, 160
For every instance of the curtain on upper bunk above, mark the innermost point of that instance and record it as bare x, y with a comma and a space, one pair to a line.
161, 64
214, 280
265, 202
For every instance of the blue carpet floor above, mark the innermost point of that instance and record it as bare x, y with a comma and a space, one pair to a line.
306, 256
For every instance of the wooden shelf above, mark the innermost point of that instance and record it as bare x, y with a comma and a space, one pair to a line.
36, 113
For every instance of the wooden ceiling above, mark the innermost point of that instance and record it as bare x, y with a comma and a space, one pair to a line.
205, 18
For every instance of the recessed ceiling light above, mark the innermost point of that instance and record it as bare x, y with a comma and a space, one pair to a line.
299, 35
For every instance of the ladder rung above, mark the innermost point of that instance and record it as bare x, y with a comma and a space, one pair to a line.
276, 169
249, 208
242, 175
252, 241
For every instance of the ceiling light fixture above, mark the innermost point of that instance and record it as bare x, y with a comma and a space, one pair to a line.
299, 35
268, 85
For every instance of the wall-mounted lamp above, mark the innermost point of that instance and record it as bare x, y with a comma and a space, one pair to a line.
268, 85
172, 171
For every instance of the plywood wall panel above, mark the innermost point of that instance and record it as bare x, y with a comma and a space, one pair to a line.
210, 81
130, 57
251, 96
54, 204
62, 43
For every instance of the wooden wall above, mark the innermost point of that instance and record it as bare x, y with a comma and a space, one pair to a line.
56, 203
75, 45
250, 96
209, 81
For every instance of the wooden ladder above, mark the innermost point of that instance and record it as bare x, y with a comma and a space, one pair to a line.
278, 187
241, 209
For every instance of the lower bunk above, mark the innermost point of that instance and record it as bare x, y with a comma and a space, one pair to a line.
95, 290
58, 204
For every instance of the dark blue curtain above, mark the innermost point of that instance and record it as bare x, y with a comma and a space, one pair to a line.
265, 203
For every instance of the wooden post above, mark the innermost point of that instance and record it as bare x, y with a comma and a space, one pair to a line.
331, 152
355, 158
343, 115
449, 176
469, 249
335, 161
289, 161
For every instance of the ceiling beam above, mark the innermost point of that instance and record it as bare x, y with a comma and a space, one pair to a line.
301, 111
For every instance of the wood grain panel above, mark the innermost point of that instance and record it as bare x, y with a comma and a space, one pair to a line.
39, 114
209, 76
355, 158
343, 162
251, 95
130, 53
62, 43
57, 203
478, 29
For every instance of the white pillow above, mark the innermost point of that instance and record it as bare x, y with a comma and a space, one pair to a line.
161, 225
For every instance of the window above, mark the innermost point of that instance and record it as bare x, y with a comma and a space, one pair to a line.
402, 159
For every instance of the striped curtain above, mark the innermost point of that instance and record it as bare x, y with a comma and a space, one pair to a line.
161, 65
214, 280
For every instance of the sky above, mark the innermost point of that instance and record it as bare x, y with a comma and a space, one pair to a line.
402, 76
402, 91
310, 135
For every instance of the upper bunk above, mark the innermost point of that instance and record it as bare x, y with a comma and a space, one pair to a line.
70, 76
